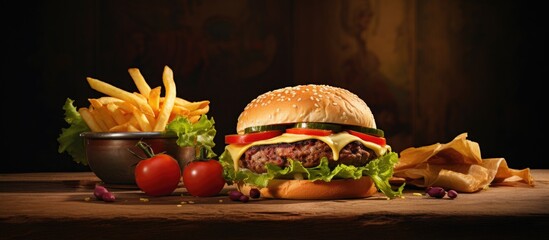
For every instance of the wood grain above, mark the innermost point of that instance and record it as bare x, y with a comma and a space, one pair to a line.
39, 205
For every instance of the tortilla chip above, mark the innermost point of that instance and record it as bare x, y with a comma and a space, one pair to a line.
457, 165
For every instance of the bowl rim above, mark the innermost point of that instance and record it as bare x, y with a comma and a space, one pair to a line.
131, 135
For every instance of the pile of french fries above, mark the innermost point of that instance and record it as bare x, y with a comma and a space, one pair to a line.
143, 111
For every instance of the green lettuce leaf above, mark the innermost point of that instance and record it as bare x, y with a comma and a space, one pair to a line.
200, 134
69, 139
380, 170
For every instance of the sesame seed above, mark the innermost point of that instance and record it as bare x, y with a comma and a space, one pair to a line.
299, 99
294, 106
334, 103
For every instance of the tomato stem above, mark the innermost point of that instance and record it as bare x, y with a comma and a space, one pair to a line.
147, 149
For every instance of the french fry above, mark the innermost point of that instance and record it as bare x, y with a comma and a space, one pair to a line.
200, 111
169, 100
180, 110
99, 120
103, 113
113, 91
152, 120
194, 118
119, 128
154, 99
125, 106
106, 116
88, 118
132, 128
133, 122
191, 105
107, 100
137, 117
140, 96
126, 127
95, 103
142, 120
139, 81
118, 114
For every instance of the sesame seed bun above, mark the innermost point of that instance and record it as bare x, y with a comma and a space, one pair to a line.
306, 103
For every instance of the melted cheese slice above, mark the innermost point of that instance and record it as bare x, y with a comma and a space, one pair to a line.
336, 142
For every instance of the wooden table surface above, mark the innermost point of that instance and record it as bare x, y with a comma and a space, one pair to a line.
61, 206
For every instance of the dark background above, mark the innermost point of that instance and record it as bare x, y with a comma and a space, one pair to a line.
477, 67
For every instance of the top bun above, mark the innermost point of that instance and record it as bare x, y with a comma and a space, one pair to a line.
306, 103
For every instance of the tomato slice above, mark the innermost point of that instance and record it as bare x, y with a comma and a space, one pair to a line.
370, 131
369, 138
250, 137
309, 131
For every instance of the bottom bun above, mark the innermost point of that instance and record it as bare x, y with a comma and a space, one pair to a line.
305, 189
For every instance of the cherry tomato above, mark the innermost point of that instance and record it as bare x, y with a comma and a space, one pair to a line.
203, 178
369, 138
310, 131
250, 137
158, 175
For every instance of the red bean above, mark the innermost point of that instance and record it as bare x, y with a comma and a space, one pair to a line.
255, 193
99, 192
235, 195
244, 198
452, 194
108, 197
437, 192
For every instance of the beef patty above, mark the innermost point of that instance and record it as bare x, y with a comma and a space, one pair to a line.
308, 152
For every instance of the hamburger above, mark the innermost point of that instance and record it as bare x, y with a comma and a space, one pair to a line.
309, 142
